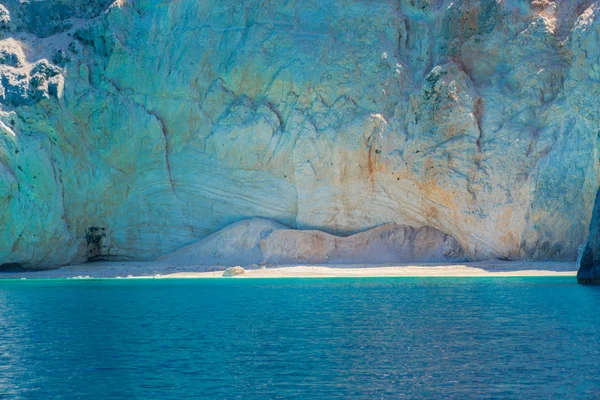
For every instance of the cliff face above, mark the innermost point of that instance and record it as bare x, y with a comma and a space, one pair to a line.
132, 128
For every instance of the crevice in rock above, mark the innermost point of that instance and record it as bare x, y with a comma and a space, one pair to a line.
478, 114
164, 132
372, 159
277, 113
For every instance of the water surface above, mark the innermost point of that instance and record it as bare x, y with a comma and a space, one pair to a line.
300, 338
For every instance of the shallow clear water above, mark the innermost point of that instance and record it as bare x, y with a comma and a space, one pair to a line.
303, 338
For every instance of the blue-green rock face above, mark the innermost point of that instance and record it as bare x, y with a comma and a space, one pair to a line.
131, 129
589, 259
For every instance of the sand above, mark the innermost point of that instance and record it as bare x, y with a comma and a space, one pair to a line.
160, 270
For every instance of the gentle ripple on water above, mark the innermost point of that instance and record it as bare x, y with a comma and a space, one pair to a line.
300, 338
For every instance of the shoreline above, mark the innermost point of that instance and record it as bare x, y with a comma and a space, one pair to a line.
141, 270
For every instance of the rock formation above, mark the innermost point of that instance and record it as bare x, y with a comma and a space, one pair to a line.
234, 271
132, 128
589, 259
258, 241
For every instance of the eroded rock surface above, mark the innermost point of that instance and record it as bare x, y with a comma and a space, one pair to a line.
259, 241
161, 122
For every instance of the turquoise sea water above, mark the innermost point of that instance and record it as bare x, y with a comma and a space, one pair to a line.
300, 338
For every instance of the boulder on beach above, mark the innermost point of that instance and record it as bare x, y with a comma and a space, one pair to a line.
234, 271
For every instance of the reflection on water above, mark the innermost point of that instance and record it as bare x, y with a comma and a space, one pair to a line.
318, 338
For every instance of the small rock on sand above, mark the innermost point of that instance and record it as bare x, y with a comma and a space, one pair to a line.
234, 271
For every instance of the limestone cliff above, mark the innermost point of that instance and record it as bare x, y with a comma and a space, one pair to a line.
133, 128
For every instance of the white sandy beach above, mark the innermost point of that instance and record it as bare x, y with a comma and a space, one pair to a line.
159, 270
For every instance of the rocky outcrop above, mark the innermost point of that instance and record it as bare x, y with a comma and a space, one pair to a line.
389, 243
234, 271
236, 244
589, 259
130, 129
259, 241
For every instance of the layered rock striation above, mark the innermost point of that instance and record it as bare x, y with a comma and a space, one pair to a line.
130, 129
